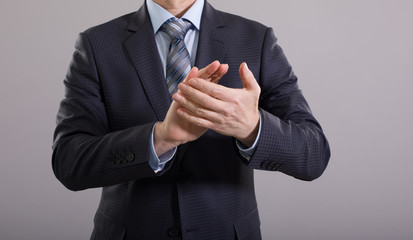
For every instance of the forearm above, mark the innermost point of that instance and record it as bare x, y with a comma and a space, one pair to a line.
83, 161
298, 149
161, 141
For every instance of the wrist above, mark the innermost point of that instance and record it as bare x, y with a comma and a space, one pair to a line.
251, 135
161, 140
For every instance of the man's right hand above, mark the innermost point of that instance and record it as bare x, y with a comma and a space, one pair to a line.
174, 131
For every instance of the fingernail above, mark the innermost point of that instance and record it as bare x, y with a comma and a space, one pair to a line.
177, 97
182, 86
246, 66
193, 82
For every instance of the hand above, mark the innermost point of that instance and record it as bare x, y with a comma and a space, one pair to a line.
231, 112
174, 131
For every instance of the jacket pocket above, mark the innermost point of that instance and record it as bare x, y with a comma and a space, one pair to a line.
107, 229
248, 227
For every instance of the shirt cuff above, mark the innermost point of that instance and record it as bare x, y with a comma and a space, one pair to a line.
247, 152
158, 163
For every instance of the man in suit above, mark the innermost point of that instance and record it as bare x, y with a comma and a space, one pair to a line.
181, 168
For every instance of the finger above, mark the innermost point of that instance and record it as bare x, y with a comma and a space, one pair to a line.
247, 78
214, 90
192, 74
209, 70
200, 98
201, 122
195, 109
222, 70
185, 103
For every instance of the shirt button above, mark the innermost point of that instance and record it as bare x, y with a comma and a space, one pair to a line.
174, 232
130, 157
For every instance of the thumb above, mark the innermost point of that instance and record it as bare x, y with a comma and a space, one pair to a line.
247, 78
192, 74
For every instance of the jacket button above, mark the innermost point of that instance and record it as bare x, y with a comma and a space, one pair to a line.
174, 232
264, 164
275, 167
271, 166
130, 157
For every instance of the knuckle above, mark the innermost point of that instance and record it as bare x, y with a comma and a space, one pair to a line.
229, 112
216, 92
199, 112
206, 102
199, 122
237, 99
233, 114
190, 92
226, 112
220, 120
184, 115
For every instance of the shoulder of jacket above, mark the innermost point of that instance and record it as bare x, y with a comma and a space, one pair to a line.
233, 19
119, 23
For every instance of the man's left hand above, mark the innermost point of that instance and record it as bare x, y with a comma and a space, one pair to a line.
229, 111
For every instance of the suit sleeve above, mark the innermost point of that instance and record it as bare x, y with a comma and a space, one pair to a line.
291, 140
85, 153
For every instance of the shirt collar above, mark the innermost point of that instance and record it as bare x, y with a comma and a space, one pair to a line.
159, 15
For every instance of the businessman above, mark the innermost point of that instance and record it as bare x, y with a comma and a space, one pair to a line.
170, 109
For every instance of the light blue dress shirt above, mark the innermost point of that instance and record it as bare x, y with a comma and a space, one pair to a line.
158, 16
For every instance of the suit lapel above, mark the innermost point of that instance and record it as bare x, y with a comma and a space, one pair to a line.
142, 49
213, 39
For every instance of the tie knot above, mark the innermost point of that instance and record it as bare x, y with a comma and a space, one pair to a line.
176, 28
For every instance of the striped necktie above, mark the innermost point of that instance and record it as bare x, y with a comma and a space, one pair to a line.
178, 63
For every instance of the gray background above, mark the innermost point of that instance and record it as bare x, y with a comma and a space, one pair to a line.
354, 60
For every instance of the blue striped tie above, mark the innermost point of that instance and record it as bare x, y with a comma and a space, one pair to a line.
178, 63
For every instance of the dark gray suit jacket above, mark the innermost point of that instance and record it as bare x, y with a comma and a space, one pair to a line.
116, 91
